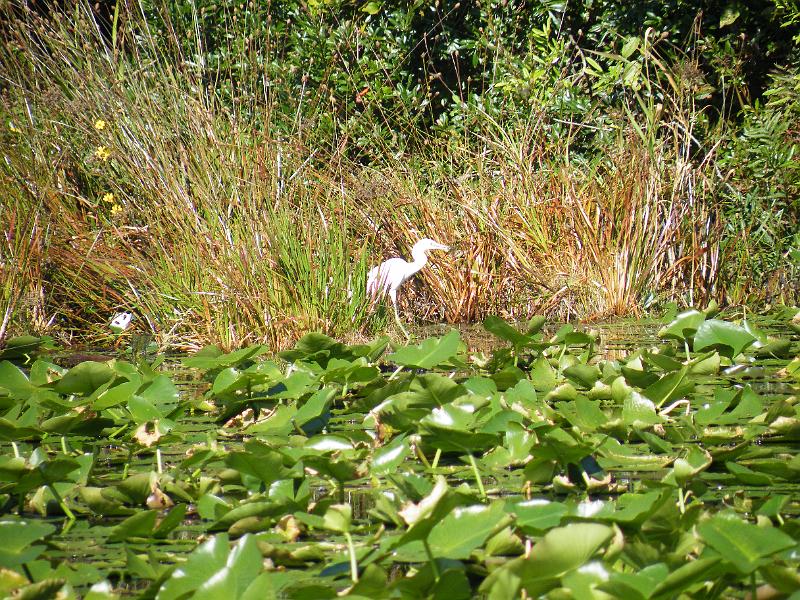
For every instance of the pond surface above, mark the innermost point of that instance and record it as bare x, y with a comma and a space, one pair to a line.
551, 459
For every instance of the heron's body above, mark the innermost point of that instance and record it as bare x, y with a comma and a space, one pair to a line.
387, 277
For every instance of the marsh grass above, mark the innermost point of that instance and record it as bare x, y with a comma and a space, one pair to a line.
218, 214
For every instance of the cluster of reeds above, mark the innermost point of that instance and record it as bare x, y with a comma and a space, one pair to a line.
134, 187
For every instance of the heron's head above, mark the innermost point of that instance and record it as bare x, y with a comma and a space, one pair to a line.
426, 244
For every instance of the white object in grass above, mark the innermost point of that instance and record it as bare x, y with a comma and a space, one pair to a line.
388, 276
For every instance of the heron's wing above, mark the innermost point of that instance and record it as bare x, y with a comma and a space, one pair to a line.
386, 276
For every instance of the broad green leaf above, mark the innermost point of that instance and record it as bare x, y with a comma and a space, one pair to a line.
639, 412
84, 378
670, 387
161, 392
684, 326
314, 414
428, 354
18, 537
560, 551
388, 458
338, 517
14, 380
636, 585
140, 524
211, 357
630, 46
119, 394
537, 516
466, 528
743, 544
583, 375
504, 331
730, 339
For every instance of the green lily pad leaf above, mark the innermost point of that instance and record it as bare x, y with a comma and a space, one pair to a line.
259, 461
14, 380
536, 516
466, 528
681, 578
730, 339
639, 412
211, 357
139, 525
508, 377
404, 410
662, 361
707, 364
312, 416
103, 504
632, 508
24, 347
566, 548
687, 468
684, 326
773, 506
535, 324
84, 378
542, 375
161, 392
562, 550
388, 458
215, 571
583, 413
211, 507
173, 518
781, 348
114, 396
430, 353
637, 585
583, 375
228, 380
338, 517
142, 410
497, 326
18, 537
452, 428
743, 544
565, 391
638, 377
748, 476
413, 514
670, 387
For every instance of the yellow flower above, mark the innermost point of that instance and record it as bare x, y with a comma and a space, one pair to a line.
109, 197
115, 210
99, 124
14, 128
102, 153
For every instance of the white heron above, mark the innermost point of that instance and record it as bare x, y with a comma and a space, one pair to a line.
388, 276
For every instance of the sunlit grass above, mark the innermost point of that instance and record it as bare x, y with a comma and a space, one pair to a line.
234, 222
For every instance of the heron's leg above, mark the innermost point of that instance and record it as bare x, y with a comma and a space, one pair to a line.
393, 296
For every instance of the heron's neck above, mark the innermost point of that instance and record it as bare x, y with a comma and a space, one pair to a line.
420, 259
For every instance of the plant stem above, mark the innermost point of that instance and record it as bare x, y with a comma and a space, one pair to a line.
477, 475
434, 565
61, 502
352, 551
436, 456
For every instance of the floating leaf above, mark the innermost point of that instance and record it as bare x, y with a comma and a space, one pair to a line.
730, 339
745, 545
466, 528
428, 354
